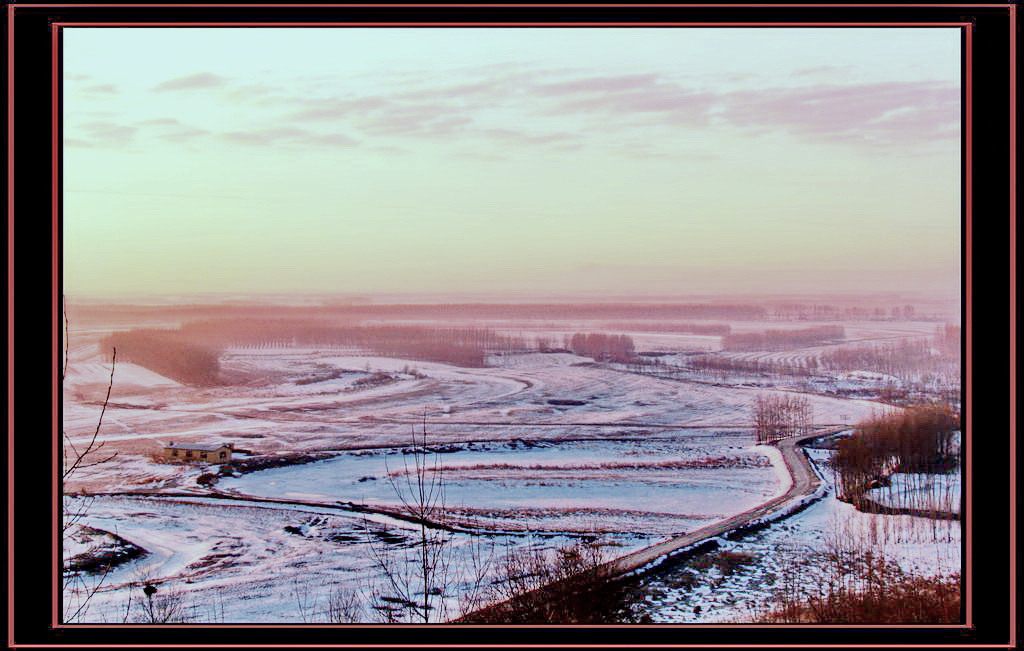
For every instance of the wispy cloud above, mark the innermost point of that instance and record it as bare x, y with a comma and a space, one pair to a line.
198, 80
267, 136
522, 137
160, 122
289, 136
485, 88
819, 71
481, 156
332, 139
564, 109
669, 100
602, 85
185, 134
78, 142
419, 120
331, 109
106, 89
884, 112
171, 129
102, 133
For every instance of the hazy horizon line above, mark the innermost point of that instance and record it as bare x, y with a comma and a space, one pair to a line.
519, 296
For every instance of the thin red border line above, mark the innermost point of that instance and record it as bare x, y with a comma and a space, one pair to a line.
455, 625
55, 171
484, 6
969, 326
10, 320
1013, 319
519, 646
594, 24
58, 26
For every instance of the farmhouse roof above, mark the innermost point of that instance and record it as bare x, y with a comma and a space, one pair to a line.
196, 446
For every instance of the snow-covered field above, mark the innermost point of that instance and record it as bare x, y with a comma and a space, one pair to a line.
240, 562
701, 592
281, 409
665, 485
535, 444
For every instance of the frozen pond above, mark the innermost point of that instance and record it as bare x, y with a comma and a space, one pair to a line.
678, 481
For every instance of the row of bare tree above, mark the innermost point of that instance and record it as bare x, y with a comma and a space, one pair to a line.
917, 440
602, 347
169, 353
675, 327
778, 416
718, 364
433, 312
191, 354
820, 312
779, 339
907, 359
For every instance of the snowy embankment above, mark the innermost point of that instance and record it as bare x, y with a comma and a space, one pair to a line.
697, 590
711, 538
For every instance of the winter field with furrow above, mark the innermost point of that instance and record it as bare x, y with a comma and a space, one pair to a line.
537, 448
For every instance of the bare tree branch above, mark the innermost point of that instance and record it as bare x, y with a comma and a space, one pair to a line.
79, 460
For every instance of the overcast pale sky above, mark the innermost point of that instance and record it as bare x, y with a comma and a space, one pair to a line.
668, 160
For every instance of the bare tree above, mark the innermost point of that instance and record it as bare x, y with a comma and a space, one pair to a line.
343, 606
416, 580
79, 587
161, 604
778, 417
568, 585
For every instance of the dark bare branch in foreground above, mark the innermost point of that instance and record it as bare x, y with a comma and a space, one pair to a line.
79, 587
79, 462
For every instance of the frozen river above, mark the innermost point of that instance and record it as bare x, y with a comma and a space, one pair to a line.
675, 482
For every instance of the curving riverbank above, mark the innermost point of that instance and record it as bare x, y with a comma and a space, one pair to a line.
806, 487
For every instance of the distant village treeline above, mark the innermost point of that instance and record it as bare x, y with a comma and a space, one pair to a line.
904, 359
170, 354
648, 312
191, 353
909, 360
610, 348
782, 339
362, 312
674, 327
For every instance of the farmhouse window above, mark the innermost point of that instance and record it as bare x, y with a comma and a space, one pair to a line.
222, 455
202, 455
174, 453
188, 453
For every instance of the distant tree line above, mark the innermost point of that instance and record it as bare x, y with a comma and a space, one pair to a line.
190, 354
778, 416
825, 312
782, 339
717, 364
714, 329
904, 359
169, 353
917, 440
352, 313
602, 347
466, 347
948, 339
